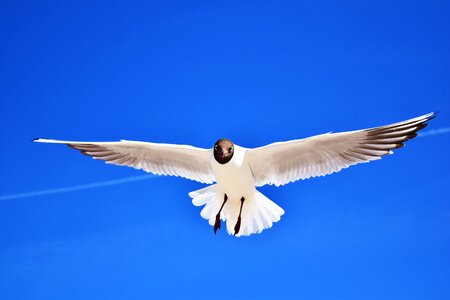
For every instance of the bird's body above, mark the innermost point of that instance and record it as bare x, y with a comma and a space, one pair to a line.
234, 172
234, 178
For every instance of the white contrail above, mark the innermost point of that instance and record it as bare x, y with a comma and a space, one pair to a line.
434, 132
78, 187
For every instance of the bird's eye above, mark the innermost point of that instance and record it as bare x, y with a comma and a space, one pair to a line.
230, 149
216, 147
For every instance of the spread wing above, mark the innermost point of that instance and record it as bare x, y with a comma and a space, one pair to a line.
285, 162
161, 159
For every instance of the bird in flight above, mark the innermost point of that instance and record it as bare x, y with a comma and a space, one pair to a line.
233, 172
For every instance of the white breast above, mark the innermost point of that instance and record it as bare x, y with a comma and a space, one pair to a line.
235, 177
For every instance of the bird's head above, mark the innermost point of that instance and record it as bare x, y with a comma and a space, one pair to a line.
223, 151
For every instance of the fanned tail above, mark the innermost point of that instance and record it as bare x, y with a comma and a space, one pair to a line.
208, 197
258, 212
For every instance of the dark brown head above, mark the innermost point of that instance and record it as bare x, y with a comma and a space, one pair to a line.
223, 151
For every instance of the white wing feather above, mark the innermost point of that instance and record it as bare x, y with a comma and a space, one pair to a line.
285, 162
161, 159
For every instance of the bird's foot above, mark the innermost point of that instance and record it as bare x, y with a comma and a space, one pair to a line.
217, 223
237, 227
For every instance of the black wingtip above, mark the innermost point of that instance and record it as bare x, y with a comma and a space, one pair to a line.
41, 138
433, 115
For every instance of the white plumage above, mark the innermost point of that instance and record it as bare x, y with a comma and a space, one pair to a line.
277, 164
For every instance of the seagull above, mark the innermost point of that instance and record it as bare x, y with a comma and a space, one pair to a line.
234, 172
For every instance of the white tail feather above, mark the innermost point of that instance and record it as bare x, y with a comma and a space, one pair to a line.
258, 212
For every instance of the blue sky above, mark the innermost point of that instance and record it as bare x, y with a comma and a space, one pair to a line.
191, 72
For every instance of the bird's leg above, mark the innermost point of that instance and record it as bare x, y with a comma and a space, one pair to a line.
237, 227
217, 223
